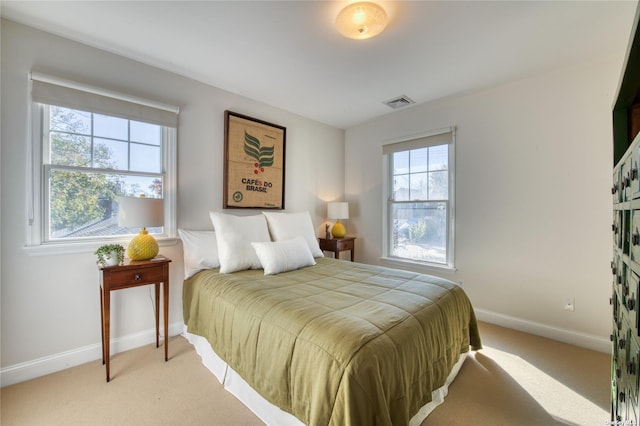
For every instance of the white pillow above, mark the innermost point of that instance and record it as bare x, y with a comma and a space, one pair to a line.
285, 226
200, 251
235, 235
283, 256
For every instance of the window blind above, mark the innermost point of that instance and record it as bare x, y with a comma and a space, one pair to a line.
441, 138
65, 93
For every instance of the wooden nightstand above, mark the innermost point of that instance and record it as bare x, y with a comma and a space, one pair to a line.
133, 274
336, 245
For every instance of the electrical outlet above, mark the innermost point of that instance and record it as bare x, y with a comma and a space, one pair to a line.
569, 304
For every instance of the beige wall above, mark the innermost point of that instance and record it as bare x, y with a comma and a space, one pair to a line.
533, 205
49, 304
533, 208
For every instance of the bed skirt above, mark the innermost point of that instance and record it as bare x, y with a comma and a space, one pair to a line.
269, 413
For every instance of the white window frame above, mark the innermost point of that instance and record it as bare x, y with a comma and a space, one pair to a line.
417, 141
37, 243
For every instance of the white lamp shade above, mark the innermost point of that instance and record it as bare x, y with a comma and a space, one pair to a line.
141, 212
339, 210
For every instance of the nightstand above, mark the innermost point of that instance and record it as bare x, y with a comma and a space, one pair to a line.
134, 274
336, 245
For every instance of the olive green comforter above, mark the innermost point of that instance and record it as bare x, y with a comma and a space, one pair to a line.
338, 343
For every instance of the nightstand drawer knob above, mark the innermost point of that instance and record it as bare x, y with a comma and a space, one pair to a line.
137, 277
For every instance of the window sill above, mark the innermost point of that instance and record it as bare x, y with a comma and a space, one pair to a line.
84, 247
426, 267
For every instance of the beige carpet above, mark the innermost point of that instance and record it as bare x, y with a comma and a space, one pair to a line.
518, 379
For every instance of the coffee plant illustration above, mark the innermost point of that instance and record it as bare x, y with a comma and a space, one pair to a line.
263, 155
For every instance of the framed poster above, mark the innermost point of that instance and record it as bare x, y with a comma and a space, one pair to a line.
253, 163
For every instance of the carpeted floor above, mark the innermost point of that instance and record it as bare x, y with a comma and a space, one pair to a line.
517, 379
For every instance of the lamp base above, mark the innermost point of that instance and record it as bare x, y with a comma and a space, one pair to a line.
338, 230
142, 247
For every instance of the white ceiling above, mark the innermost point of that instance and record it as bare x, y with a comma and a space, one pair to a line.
288, 53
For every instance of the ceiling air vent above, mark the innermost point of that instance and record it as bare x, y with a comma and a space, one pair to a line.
399, 102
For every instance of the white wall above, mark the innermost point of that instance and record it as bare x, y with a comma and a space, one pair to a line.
50, 304
533, 205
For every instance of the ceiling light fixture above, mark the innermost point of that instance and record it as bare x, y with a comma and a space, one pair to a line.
361, 20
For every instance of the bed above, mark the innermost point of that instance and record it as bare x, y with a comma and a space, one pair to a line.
330, 342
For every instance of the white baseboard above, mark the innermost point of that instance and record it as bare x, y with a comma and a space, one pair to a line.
50, 364
576, 338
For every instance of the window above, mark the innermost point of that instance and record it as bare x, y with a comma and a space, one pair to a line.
419, 211
90, 148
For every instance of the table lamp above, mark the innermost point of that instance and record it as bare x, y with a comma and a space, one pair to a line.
141, 212
338, 210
